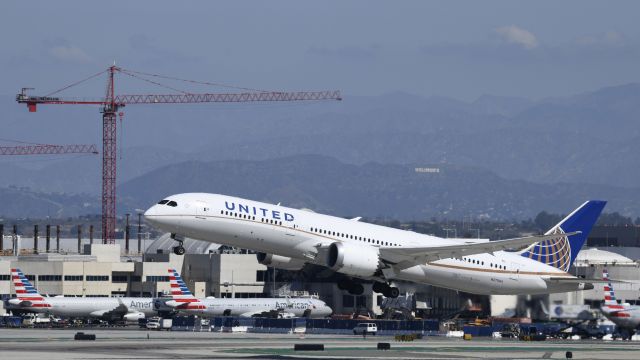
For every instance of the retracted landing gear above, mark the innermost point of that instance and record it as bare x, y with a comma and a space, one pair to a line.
178, 249
386, 290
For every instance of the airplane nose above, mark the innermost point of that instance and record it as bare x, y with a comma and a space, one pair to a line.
151, 211
151, 215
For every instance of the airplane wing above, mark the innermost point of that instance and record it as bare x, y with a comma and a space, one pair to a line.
404, 257
109, 314
249, 314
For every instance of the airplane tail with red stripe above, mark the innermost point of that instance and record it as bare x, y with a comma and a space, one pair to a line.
26, 293
609, 296
181, 297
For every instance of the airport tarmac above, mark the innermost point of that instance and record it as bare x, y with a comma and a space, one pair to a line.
53, 344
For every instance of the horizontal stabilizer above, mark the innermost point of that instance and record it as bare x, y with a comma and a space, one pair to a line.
573, 280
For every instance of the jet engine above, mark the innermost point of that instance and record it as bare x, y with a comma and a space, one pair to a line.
280, 262
352, 259
133, 316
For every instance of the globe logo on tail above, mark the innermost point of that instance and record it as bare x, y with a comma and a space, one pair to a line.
555, 252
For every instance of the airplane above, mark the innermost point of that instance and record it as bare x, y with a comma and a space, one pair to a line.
625, 316
290, 238
183, 301
110, 309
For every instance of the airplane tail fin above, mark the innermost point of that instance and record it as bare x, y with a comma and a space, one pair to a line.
26, 293
562, 251
609, 296
181, 296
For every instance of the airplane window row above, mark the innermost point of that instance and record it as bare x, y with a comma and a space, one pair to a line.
250, 217
353, 237
167, 202
478, 262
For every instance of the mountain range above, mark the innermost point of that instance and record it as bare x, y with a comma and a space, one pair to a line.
539, 155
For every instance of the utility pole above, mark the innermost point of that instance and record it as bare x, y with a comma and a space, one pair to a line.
139, 233
79, 238
126, 234
35, 239
58, 238
48, 234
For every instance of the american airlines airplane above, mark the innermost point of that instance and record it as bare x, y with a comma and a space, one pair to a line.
111, 309
183, 301
625, 316
288, 238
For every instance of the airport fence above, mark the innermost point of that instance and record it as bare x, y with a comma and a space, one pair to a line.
321, 326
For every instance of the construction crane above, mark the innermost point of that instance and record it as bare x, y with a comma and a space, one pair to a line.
112, 103
48, 149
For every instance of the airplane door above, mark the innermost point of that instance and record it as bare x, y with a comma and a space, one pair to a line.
515, 272
201, 210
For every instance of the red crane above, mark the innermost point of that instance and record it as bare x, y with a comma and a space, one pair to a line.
47, 149
111, 103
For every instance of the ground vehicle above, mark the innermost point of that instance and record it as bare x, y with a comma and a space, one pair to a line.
36, 320
153, 323
365, 329
166, 324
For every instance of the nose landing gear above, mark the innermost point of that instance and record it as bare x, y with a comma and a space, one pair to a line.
178, 249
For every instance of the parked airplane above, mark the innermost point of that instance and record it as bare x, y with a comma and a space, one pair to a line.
625, 316
182, 300
288, 238
111, 309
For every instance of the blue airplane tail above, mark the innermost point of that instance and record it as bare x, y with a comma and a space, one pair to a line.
561, 252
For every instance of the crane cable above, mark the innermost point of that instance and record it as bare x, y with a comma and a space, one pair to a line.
153, 82
76, 83
195, 81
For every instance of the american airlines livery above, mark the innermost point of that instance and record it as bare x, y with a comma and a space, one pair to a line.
288, 238
111, 309
625, 316
183, 301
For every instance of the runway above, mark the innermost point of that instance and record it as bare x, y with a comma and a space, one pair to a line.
141, 344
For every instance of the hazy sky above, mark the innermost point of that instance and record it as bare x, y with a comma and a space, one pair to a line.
461, 49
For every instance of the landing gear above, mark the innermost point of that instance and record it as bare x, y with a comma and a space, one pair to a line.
344, 284
178, 249
356, 289
393, 292
386, 290
351, 286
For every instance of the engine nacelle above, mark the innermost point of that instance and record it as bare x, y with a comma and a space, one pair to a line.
133, 316
352, 259
280, 262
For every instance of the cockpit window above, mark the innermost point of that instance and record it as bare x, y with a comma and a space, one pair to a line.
172, 203
162, 202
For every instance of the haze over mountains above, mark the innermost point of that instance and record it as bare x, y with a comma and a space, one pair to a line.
500, 157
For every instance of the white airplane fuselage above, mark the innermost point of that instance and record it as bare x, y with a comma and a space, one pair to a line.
250, 307
627, 317
94, 306
301, 235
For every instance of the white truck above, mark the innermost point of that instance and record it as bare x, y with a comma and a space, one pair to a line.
365, 329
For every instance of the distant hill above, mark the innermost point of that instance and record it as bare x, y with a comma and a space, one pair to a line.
586, 138
25, 203
327, 185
